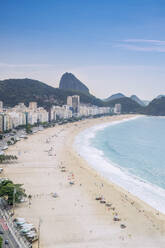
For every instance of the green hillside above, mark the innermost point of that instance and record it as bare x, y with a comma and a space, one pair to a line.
128, 105
13, 91
156, 107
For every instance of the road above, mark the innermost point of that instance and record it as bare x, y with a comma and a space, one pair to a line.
7, 235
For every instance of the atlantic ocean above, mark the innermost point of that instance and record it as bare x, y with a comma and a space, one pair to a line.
129, 153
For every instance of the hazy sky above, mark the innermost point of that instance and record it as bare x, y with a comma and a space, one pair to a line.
110, 45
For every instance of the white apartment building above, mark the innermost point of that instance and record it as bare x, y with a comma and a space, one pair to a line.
53, 113
67, 112
85, 110
1, 123
18, 118
74, 103
58, 112
21, 115
1, 106
7, 122
32, 117
43, 115
117, 109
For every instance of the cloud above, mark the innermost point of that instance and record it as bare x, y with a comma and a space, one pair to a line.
25, 65
142, 45
156, 42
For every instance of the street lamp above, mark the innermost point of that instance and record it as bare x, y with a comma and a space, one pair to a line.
14, 192
39, 227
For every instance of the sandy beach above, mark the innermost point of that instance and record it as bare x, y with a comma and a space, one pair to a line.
75, 219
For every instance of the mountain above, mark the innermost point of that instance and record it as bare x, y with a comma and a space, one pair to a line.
115, 96
70, 82
156, 107
13, 91
128, 105
160, 96
146, 102
137, 99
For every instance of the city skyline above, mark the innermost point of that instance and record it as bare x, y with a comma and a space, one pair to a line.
111, 46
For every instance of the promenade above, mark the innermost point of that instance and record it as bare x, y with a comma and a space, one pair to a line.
10, 233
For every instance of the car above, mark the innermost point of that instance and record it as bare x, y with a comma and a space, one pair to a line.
6, 242
1, 232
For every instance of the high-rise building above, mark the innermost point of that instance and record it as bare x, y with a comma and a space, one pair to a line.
7, 122
1, 123
69, 101
74, 103
117, 109
1, 106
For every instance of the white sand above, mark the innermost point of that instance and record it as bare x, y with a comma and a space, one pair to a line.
75, 218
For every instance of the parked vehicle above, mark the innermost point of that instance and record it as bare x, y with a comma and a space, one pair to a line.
5, 148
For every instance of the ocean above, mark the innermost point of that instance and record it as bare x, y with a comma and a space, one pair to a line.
131, 154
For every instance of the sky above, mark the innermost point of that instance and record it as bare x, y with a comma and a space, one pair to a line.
110, 45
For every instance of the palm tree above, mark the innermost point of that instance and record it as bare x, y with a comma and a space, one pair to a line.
29, 198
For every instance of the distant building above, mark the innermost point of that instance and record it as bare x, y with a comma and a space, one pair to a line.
33, 106
117, 109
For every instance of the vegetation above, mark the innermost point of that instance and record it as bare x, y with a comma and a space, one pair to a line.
9, 143
7, 189
128, 105
1, 241
69, 81
156, 107
6, 158
28, 128
13, 91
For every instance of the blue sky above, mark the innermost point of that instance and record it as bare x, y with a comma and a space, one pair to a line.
110, 45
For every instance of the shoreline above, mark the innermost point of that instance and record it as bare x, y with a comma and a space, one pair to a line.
114, 173
91, 223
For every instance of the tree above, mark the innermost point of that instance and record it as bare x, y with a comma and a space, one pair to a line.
28, 128
29, 198
7, 158
9, 143
1, 242
7, 188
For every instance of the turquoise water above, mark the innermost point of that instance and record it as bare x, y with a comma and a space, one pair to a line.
129, 153
137, 146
